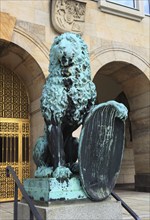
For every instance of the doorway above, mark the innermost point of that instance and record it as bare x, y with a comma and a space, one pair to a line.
109, 87
14, 131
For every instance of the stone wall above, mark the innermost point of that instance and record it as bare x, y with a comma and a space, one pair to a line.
115, 43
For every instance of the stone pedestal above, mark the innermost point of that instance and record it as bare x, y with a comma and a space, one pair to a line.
75, 210
49, 189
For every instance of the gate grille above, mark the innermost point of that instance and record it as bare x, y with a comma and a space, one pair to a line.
14, 132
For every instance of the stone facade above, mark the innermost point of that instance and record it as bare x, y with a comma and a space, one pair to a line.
119, 52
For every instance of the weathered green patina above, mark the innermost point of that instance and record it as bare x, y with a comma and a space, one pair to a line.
103, 135
52, 189
121, 110
68, 99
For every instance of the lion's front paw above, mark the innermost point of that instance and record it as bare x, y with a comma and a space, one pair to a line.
122, 111
43, 171
62, 172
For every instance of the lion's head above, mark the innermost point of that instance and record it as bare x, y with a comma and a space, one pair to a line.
65, 51
68, 89
69, 51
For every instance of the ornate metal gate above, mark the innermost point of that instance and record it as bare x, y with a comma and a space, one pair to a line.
14, 131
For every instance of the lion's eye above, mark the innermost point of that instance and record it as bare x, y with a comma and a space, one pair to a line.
84, 67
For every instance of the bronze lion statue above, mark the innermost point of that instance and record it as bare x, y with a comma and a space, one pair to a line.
67, 97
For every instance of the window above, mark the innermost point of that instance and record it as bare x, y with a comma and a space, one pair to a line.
147, 7
131, 9
128, 3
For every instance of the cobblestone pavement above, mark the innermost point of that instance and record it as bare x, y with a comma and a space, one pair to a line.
138, 201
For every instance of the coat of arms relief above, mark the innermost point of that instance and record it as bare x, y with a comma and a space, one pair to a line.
68, 15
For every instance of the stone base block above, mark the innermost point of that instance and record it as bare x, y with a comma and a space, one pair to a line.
48, 189
75, 210
142, 182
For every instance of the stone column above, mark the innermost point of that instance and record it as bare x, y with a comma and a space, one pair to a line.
141, 149
137, 90
141, 139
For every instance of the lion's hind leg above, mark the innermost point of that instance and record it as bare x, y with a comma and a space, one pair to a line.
42, 158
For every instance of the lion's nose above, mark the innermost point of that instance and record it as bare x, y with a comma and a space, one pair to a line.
64, 60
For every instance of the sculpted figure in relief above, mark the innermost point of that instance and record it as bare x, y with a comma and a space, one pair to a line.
68, 15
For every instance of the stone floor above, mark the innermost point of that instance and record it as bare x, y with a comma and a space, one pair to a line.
138, 201
6, 211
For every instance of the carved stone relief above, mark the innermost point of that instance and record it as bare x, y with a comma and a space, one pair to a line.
68, 15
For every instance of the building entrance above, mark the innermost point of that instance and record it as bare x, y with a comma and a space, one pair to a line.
14, 131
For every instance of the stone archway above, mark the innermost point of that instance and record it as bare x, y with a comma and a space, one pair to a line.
101, 57
28, 41
22, 52
135, 84
19, 61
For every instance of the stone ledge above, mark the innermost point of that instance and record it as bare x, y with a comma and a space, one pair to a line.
122, 11
75, 210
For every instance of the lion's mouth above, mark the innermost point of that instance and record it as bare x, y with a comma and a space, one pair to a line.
66, 62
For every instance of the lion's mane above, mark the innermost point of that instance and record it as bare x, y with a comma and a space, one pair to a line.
69, 92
